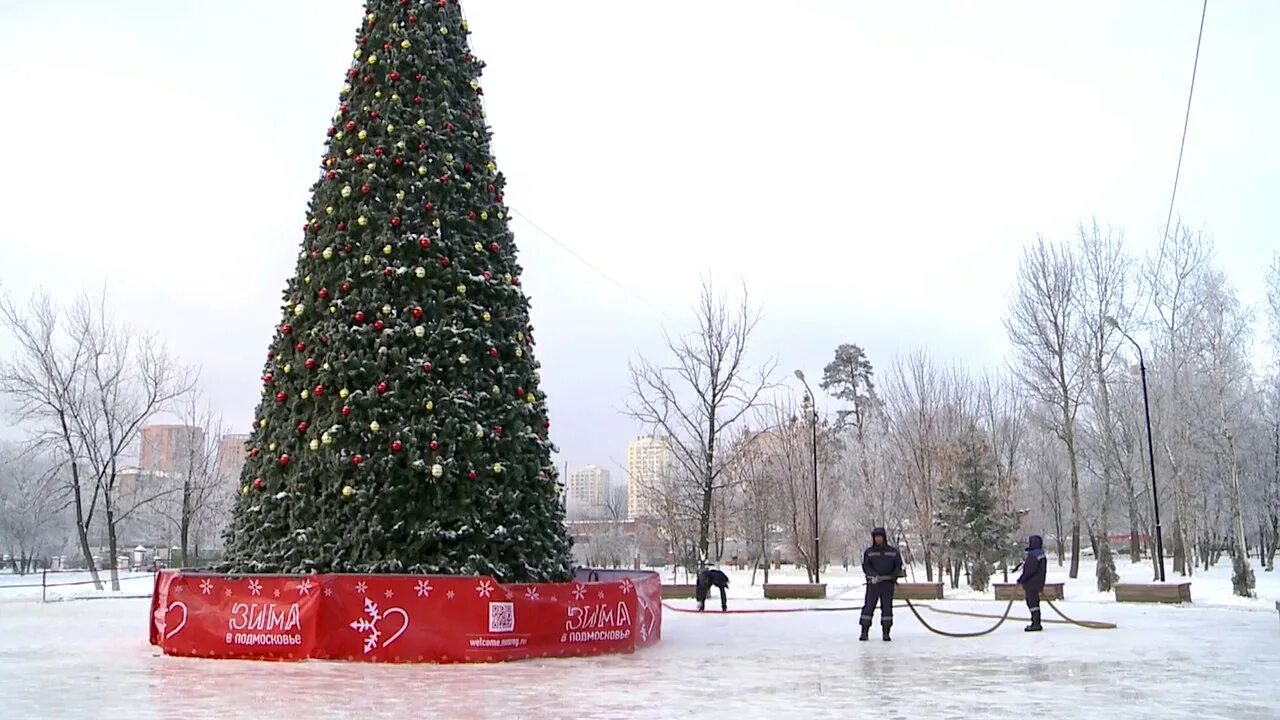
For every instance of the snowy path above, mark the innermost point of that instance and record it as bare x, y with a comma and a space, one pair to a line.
90, 659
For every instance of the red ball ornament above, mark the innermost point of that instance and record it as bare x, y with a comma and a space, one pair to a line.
345, 288
300, 347
413, 19
378, 326
343, 108
284, 460
359, 159
418, 77
342, 227
444, 179
331, 175
357, 460
286, 329
350, 126
346, 410
395, 221
379, 151
359, 316
386, 45
367, 79
444, 262
347, 248
442, 3
519, 391
424, 242
434, 446
309, 363
497, 430
373, 115
488, 275
318, 391
332, 131
471, 475
382, 388
471, 215
365, 188
315, 254
417, 99
396, 446
398, 161
546, 424
254, 453
416, 312
494, 248
323, 293
388, 271
271, 354
351, 72
490, 188
426, 367
257, 483
450, 127
493, 352
281, 397
302, 426
428, 207
266, 379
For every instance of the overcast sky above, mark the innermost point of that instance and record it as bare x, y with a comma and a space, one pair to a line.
870, 170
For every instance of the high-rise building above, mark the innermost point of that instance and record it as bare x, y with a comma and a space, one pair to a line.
231, 455
587, 491
650, 462
166, 448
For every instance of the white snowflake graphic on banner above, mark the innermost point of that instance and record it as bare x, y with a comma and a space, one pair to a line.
450, 594
328, 592
485, 588
579, 592
531, 593
227, 592
389, 594
627, 586
255, 587
276, 592
370, 625
361, 587
206, 587
424, 588
304, 587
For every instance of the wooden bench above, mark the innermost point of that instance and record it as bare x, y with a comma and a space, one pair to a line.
1012, 591
679, 592
1153, 592
807, 591
919, 591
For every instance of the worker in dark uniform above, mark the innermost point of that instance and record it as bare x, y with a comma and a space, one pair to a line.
882, 564
1034, 569
706, 578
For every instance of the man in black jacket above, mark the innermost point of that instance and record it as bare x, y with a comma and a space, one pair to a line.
1034, 569
706, 578
883, 566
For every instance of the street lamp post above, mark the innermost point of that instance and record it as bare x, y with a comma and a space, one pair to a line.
812, 405
1151, 452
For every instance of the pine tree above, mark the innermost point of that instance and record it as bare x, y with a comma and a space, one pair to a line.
401, 427
973, 526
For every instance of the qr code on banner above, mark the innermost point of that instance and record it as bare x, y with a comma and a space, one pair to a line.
502, 617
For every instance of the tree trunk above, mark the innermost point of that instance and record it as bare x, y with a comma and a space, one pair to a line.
111, 543
184, 526
1075, 504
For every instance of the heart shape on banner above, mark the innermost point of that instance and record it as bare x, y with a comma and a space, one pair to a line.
164, 620
404, 626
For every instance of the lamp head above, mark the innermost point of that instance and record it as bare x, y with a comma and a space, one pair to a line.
1113, 322
800, 375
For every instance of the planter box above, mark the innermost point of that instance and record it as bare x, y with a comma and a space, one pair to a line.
1153, 592
807, 591
1012, 591
919, 591
679, 592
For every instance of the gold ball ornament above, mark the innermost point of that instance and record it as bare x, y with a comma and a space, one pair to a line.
422, 170
475, 84
346, 88
422, 122
325, 366
435, 223
244, 489
327, 254
262, 423
530, 399
479, 247
437, 470
400, 195
263, 392
484, 214
287, 369
419, 330
444, 30
519, 352
497, 468
358, 53
328, 210
343, 393
462, 289
429, 406
420, 271
448, 157
304, 394
346, 191
479, 431
350, 152
386, 249
391, 129
339, 135
348, 491
271, 447
314, 444
492, 167
404, 44
307, 279
367, 259
333, 309
374, 426
299, 309
326, 439
373, 60
463, 360
378, 94
486, 316
362, 221
363, 135
386, 309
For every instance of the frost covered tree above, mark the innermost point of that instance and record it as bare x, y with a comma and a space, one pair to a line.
402, 427
974, 526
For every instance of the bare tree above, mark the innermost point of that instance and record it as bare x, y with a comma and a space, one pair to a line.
697, 401
1042, 324
29, 505
758, 496
197, 496
46, 381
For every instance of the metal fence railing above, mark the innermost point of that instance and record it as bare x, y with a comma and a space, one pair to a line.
49, 580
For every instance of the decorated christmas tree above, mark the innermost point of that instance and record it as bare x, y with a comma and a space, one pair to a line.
401, 428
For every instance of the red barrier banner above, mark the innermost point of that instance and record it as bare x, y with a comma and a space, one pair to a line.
402, 618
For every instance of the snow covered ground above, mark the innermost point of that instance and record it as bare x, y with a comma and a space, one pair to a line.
1216, 659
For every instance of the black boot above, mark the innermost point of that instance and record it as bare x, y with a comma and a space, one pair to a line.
1035, 625
884, 632
866, 633
701, 606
